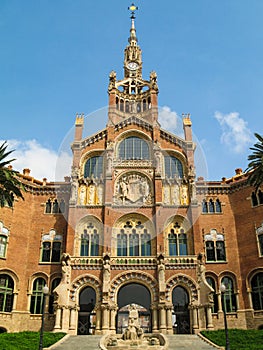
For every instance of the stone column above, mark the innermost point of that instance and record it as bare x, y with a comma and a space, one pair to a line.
154, 319
113, 311
162, 318
98, 320
65, 319
195, 317
169, 322
72, 321
209, 317
58, 319
105, 318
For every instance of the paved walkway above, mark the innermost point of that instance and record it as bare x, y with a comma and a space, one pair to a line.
90, 342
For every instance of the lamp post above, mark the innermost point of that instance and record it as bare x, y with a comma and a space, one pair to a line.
223, 289
45, 293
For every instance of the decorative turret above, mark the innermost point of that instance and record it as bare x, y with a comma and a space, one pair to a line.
132, 95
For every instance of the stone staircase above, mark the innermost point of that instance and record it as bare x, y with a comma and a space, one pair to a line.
90, 342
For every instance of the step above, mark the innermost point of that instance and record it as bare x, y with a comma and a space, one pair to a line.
177, 341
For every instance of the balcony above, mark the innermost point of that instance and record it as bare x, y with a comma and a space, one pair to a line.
134, 263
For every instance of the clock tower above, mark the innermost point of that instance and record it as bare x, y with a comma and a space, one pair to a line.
132, 95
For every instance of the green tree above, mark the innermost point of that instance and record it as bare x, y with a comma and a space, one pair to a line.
255, 167
10, 186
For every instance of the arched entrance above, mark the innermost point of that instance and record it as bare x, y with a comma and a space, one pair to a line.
181, 314
86, 317
138, 294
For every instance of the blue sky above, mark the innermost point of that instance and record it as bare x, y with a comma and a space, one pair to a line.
56, 56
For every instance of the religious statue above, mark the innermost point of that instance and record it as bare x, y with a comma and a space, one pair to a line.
106, 274
133, 331
92, 194
175, 194
166, 194
82, 195
161, 273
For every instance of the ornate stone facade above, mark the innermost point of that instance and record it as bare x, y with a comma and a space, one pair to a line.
135, 227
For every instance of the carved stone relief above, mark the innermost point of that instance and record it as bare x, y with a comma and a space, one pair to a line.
91, 193
175, 193
133, 188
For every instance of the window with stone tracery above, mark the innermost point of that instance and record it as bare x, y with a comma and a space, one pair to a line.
211, 206
133, 239
177, 240
55, 206
134, 148
259, 234
6, 293
257, 291
215, 246
173, 167
4, 233
94, 167
51, 247
89, 245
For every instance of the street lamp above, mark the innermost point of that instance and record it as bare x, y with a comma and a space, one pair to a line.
222, 290
45, 291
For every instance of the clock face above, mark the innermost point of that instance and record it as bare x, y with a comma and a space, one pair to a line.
132, 65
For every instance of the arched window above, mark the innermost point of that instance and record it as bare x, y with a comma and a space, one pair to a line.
54, 285
173, 167
218, 206
204, 207
257, 291
260, 197
6, 293
134, 148
4, 233
215, 246
254, 199
229, 297
211, 207
133, 239
51, 247
48, 207
55, 208
89, 241
94, 167
212, 284
177, 241
36, 304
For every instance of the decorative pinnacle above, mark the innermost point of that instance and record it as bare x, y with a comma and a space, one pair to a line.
132, 8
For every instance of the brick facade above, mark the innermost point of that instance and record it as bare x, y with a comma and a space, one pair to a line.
138, 219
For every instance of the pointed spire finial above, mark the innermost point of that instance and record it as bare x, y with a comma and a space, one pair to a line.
132, 8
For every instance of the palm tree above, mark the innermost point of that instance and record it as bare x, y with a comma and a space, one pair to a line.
10, 186
255, 167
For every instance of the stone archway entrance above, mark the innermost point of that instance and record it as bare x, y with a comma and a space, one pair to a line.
86, 315
181, 314
138, 294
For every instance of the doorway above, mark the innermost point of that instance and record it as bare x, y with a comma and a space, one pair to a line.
86, 315
181, 314
138, 295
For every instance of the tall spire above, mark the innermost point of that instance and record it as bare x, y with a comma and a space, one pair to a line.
133, 38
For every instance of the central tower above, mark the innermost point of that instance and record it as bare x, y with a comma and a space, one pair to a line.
132, 95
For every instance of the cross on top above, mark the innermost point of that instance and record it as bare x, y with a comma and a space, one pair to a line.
132, 8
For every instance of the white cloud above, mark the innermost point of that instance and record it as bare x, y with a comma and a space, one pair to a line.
169, 119
235, 132
43, 162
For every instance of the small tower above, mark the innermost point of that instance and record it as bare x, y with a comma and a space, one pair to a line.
132, 96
